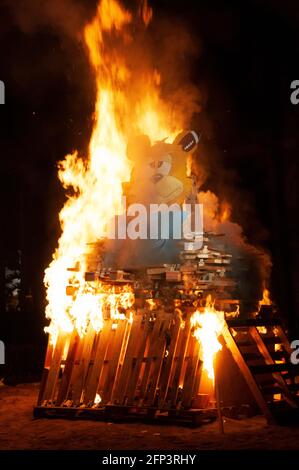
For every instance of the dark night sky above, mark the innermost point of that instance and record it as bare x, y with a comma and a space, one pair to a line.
249, 56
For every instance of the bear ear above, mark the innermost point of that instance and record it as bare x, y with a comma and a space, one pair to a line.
138, 148
187, 140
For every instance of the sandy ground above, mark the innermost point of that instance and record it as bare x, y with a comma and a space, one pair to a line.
18, 430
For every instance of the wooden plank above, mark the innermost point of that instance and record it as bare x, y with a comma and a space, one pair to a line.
125, 343
76, 368
96, 369
115, 412
179, 361
90, 367
54, 369
268, 359
153, 341
67, 373
83, 365
127, 367
191, 370
113, 365
229, 340
107, 361
169, 363
198, 372
157, 359
218, 400
137, 362
49, 354
42, 386
45, 373
121, 360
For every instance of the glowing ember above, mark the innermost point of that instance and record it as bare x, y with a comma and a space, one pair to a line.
208, 325
127, 104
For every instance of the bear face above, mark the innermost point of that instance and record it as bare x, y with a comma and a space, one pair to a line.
160, 170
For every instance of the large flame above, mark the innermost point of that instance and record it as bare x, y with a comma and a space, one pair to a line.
125, 104
207, 328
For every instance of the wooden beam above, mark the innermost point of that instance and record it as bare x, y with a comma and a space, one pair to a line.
153, 344
55, 367
230, 342
141, 339
191, 371
268, 359
114, 362
169, 362
83, 366
96, 369
179, 362
68, 369
157, 359
127, 367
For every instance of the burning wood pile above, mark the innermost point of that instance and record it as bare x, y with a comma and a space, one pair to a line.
149, 347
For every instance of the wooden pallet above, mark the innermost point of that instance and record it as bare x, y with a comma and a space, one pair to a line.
262, 352
150, 363
116, 413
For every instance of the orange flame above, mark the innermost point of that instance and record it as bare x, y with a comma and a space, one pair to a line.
208, 326
146, 12
266, 300
226, 211
127, 103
